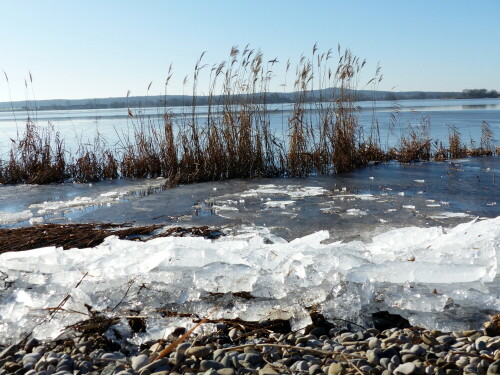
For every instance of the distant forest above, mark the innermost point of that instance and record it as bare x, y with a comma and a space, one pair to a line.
270, 98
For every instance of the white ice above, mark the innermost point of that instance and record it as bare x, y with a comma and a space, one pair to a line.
400, 267
449, 215
293, 191
278, 204
14, 217
36, 211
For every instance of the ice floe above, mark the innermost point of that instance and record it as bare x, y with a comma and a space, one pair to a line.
14, 217
398, 270
293, 191
449, 215
54, 207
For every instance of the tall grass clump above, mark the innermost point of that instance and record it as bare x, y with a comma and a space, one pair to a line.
36, 157
94, 162
456, 148
324, 132
485, 146
415, 145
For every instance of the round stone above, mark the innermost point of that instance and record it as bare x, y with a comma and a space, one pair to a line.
198, 351
139, 361
373, 342
406, 368
209, 364
494, 368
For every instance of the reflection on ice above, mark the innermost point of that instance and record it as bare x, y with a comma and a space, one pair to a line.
411, 271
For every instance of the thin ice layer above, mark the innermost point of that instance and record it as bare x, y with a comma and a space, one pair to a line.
397, 270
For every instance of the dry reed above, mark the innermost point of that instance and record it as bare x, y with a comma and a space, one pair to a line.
233, 139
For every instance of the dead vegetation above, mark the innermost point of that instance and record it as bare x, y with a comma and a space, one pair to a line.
232, 137
82, 236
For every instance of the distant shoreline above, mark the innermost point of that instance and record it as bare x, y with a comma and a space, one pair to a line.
160, 101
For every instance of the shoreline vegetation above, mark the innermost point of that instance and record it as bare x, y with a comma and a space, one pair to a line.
233, 139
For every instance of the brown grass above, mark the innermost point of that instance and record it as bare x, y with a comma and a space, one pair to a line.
37, 157
94, 162
82, 236
456, 149
416, 145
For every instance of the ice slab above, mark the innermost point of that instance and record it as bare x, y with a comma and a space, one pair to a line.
14, 217
417, 272
106, 198
293, 191
37, 211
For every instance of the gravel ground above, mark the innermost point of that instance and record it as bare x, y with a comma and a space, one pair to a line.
229, 350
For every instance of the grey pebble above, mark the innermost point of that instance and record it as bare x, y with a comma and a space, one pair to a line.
198, 351
85, 367
315, 369
494, 368
300, 366
210, 364
8, 351
311, 359
385, 362
226, 371
139, 361
406, 368
114, 355
373, 342
153, 366
336, 368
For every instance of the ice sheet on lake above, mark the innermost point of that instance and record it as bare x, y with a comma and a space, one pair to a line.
40, 209
293, 191
278, 204
449, 215
417, 272
14, 217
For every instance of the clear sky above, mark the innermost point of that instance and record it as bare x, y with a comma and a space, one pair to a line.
103, 48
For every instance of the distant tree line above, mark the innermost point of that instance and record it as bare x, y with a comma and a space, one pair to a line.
480, 93
257, 98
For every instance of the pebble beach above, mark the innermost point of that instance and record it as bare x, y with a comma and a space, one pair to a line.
229, 350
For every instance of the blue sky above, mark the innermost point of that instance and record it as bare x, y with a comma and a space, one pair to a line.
82, 49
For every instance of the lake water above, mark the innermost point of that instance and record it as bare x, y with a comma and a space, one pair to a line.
466, 115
